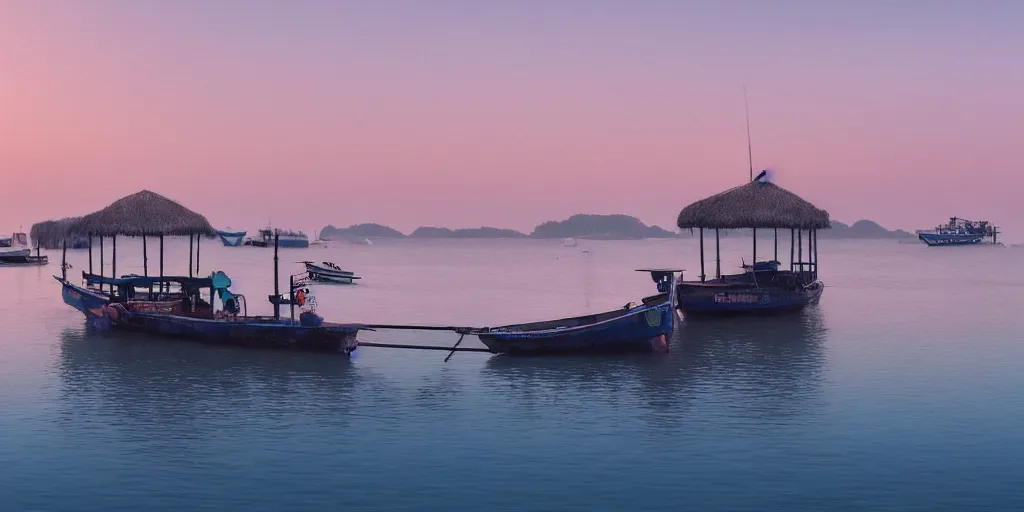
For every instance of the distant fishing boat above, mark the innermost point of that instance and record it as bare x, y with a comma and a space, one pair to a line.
960, 232
231, 238
643, 327
328, 272
286, 238
569, 242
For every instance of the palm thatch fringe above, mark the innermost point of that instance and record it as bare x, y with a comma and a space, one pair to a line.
51, 234
757, 204
143, 213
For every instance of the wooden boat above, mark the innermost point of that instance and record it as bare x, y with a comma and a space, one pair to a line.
642, 327
960, 232
285, 238
762, 287
189, 307
22, 258
328, 272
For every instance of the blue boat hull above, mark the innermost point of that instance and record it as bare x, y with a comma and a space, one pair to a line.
641, 329
254, 332
231, 238
695, 299
295, 243
936, 239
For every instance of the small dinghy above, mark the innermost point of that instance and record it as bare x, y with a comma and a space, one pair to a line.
327, 272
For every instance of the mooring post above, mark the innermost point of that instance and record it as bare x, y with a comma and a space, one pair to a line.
277, 289
718, 257
701, 254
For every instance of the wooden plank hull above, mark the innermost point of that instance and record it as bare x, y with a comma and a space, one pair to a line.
640, 329
697, 300
257, 332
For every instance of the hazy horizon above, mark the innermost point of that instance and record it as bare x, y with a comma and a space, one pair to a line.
453, 113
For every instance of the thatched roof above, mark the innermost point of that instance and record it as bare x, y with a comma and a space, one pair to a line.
49, 234
143, 213
758, 204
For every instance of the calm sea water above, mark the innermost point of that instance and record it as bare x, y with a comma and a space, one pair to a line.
901, 391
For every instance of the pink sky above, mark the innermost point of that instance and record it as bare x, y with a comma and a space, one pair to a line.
508, 113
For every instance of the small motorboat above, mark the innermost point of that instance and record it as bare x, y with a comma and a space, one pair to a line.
327, 272
644, 327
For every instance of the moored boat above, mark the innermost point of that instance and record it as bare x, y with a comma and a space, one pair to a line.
764, 286
960, 232
329, 273
643, 327
190, 307
285, 238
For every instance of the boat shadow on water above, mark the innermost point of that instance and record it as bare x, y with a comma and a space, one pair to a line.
760, 367
138, 381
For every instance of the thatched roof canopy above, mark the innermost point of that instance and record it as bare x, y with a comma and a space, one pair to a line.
758, 204
143, 213
51, 233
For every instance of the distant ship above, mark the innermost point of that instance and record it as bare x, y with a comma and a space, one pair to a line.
286, 238
960, 232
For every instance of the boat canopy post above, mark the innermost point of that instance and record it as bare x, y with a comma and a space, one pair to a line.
291, 296
755, 249
190, 255
161, 263
776, 230
815, 254
64, 259
277, 289
101, 262
90, 253
792, 240
800, 250
718, 257
702, 277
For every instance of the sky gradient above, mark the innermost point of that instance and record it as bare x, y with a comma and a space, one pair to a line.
509, 113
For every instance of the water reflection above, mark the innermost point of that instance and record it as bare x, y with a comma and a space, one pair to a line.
141, 383
752, 368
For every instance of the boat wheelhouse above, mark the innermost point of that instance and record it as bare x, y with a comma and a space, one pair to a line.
764, 285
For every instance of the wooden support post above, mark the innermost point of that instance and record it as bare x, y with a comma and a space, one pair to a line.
702, 254
161, 263
291, 296
718, 257
90, 253
190, 255
64, 259
800, 250
277, 289
197, 254
755, 248
815, 254
113, 261
101, 262
776, 230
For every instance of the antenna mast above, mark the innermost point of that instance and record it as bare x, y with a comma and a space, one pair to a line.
750, 152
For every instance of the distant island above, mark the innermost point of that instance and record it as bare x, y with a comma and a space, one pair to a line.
603, 227
589, 226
